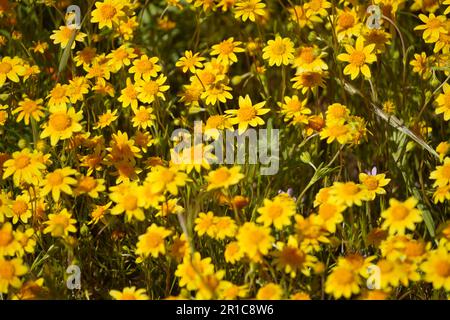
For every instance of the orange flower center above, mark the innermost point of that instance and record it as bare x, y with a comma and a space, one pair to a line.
346, 20
55, 179
344, 276
108, 11
221, 175
275, 211
226, 47
371, 183
144, 66
434, 23
279, 48
87, 184
307, 55
22, 161
246, 113
153, 240
130, 202
358, 58
29, 106
60, 121
7, 270
6, 238
442, 268
5, 67
19, 207
399, 212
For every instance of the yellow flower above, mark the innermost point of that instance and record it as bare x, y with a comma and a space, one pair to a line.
5, 203
20, 209
65, 34
90, 186
433, 26
249, 9
105, 119
85, 57
192, 268
120, 57
437, 268
62, 124
277, 212
59, 225
152, 241
8, 244
58, 97
331, 215
24, 166
441, 174
10, 271
270, 291
347, 193
401, 216
99, 212
443, 101
255, 241
310, 232
290, 258
77, 88
393, 273
279, 51
225, 51
11, 68
247, 114
129, 293
29, 109
305, 81
26, 241
358, 58
224, 177
374, 184
204, 224
129, 95
336, 131
214, 92
145, 68
107, 13
443, 148
143, 117
58, 181
150, 90
128, 198
347, 24
342, 282
309, 59
293, 107
190, 62
318, 6
167, 179
233, 252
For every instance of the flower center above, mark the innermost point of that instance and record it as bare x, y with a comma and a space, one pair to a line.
275, 211
434, 23
246, 113
344, 276
358, 58
144, 66
7, 270
55, 179
221, 175
60, 121
346, 20
154, 240
5, 67
130, 202
19, 207
443, 268
29, 106
279, 48
87, 184
58, 92
5, 238
22, 161
151, 88
371, 183
399, 212
307, 55
108, 11
226, 48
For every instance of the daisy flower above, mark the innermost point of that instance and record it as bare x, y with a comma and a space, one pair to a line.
247, 114
358, 57
279, 51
